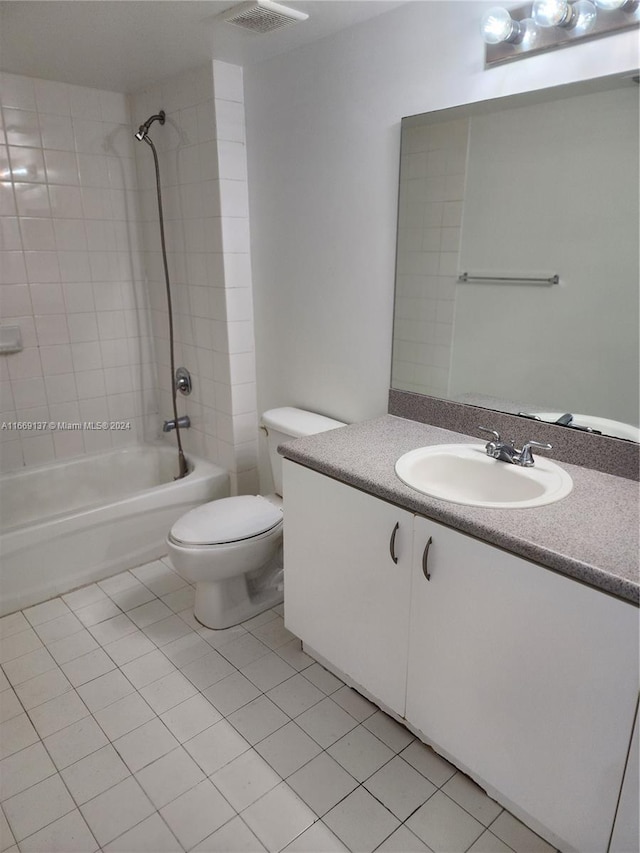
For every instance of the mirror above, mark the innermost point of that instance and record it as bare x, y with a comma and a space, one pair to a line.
536, 198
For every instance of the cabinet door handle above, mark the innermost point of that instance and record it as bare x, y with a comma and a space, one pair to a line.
425, 560
392, 543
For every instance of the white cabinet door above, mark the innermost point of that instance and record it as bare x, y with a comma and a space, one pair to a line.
527, 677
626, 830
344, 595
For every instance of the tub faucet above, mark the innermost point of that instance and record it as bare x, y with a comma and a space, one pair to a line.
506, 451
184, 423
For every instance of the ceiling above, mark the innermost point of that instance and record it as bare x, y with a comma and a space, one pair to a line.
124, 45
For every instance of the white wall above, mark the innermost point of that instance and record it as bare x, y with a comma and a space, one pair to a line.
323, 125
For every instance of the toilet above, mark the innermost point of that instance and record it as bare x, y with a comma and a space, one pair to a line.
231, 548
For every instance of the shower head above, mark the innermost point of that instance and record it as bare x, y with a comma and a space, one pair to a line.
143, 130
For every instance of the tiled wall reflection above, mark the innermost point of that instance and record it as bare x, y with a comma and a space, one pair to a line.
71, 273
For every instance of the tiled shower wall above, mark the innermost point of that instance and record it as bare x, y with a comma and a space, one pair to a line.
70, 273
432, 179
204, 188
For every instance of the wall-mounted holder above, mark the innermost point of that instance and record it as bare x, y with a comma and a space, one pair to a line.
183, 381
10, 339
547, 278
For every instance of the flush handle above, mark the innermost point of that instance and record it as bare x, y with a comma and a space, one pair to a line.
425, 559
392, 543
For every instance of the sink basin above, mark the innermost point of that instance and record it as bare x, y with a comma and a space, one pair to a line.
464, 474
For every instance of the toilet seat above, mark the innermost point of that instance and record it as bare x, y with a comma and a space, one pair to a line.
226, 520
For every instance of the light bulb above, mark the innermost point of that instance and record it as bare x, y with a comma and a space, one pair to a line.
584, 17
530, 33
551, 13
610, 5
497, 26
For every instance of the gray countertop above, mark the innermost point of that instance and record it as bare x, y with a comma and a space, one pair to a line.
592, 535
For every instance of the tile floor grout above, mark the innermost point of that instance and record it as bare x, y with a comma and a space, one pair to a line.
360, 818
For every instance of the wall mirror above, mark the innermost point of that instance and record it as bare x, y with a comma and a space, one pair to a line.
518, 254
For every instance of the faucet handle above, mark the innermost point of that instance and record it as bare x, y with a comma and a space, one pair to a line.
496, 435
526, 456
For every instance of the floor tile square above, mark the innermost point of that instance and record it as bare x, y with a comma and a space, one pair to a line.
288, 749
361, 822
216, 746
129, 648
150, 836
118, 583
158, 577
273, 633
10, 705
148, 668
181, 599
208, 669
149, 613
100, 611
43, 687
130, 599
234, 837
58, 713
317, 839
360, 753
84, 597
112, 629
74, 646
86, 668
167, 630
353, 703
489, 843
46, 611
75, 742
197, 814
169, 777
23, 769
428, 762
68, 834
258, 719
37, 807
167, 692
16, 734
244, 650
17, 645
14, 623
472, 798
218, 638
231, 693
388, 731
245, 779
94, 774
278, 817
292, 653
191, 717
404, 841
323, 679
268, 671
400, 788
517, 836
116, 810
260, 619
322, 783
444, 825
326, 722
295, 695
186, 649
104, 690
145, 744
28, 666
57, 629
124, 716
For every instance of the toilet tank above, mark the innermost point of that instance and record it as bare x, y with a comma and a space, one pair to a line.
286, 423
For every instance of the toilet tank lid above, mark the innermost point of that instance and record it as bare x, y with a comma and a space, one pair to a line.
298, 422
226, 520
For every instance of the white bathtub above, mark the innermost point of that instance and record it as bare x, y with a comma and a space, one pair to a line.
82, 520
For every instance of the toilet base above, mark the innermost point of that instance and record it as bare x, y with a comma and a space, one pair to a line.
222, 604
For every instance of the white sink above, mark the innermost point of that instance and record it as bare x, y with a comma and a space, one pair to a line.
464, 474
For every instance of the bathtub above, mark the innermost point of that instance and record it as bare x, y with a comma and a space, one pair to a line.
74, 522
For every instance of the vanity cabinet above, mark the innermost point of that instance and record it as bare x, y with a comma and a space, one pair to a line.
346, 597
524, 678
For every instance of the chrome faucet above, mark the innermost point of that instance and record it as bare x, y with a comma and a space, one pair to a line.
184, 423
506, 451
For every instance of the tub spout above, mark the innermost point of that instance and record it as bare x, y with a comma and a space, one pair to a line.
183, 422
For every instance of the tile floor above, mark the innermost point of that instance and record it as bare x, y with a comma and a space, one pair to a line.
127, 726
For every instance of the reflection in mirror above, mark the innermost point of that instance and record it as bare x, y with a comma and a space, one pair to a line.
506, 191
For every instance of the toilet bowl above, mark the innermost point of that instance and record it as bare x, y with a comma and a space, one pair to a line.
231, 548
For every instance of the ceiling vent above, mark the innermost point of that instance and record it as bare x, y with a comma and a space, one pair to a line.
263, 16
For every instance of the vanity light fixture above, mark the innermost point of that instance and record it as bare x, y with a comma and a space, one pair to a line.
549, 24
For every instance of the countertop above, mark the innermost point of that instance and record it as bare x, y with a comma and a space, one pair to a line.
592, 535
